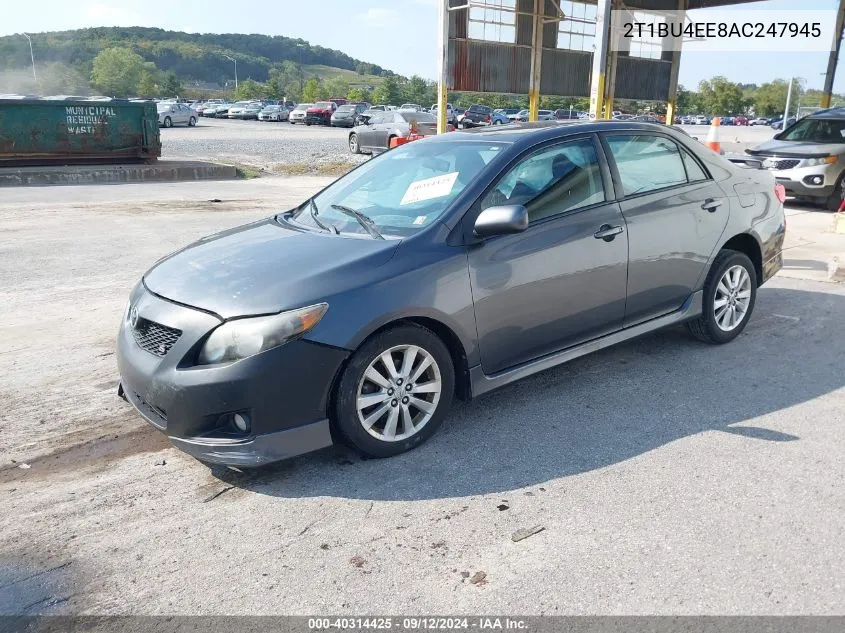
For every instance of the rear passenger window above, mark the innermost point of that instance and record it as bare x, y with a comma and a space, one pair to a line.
694, 170
646, 163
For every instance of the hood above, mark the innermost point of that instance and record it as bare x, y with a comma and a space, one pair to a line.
319, 110
805, 149
264, 267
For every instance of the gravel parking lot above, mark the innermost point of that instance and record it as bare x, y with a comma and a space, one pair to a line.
268, 145
262, 144
668, 476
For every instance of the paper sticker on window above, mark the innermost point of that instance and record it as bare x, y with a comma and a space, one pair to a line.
430, 188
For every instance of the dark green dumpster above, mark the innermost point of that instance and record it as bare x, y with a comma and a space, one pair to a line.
45, 132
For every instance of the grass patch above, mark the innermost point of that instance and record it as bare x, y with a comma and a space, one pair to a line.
337, 168
248, 172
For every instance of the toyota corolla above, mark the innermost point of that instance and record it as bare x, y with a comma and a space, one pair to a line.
444, 268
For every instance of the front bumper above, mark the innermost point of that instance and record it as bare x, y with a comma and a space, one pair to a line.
283, 391
318, 119
343, 122
798, 181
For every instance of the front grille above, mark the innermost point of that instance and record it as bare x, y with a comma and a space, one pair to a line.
155, 338
782, 163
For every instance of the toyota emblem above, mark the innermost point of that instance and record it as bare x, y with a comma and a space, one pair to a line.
133, 317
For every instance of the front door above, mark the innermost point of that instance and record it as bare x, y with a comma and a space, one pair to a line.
675, 214
563, 280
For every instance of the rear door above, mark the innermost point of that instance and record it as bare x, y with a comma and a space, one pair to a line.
366, 134
675, 215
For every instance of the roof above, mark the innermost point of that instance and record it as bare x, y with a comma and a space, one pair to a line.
539, 131
830, 113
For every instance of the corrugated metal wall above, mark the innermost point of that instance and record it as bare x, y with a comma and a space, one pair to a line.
480, 66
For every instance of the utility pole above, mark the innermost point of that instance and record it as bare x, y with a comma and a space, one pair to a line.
232, 59
301, 78
32, 57
788, 99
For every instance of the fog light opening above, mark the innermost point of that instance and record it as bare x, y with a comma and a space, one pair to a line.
241, 422
814, 180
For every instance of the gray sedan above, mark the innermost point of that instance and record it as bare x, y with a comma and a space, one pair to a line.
170, 114
375, 135
445, 268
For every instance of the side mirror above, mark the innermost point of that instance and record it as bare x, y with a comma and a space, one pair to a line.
502, 220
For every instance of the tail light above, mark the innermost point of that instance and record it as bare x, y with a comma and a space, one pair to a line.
780, 193
489, 119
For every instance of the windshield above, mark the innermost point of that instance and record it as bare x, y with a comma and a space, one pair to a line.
325, 105
816, 131
303, 106
402, 191
346, 108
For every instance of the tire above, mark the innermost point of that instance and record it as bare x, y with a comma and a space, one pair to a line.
192, 122
168, 122
707, 327
348, 420
353, 144
308, 124
834, 200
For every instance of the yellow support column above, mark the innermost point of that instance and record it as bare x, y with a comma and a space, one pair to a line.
442, 100
834, 56
536, 61
601, 44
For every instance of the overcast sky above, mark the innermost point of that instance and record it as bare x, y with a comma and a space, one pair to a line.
397, 34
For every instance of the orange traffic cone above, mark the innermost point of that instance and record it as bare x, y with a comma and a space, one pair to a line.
713, 136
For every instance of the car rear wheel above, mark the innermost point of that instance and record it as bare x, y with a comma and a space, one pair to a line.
168, 122
353, 144
395, 391
730, 292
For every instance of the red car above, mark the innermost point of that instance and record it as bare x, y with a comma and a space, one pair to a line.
740, 120
320, 113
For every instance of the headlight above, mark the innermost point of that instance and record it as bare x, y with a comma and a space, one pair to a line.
813, 162
245, 337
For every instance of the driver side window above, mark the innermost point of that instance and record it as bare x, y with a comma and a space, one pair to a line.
551, 181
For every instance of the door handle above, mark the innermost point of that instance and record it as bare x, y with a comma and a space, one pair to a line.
711, 204
607, 232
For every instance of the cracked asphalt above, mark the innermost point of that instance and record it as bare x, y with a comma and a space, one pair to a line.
668, 476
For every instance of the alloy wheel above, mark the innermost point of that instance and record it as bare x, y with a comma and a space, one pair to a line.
398, 393
733, 297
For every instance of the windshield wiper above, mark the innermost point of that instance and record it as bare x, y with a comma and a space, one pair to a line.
319, 222
363, 220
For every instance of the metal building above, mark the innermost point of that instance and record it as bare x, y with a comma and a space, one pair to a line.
561, 47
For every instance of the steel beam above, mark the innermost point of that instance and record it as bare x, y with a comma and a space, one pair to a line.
536, 61
600, 55
834, 56
442, 97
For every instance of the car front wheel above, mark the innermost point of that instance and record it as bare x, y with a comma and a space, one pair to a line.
168, 122
730, 292
192, 122
395, 391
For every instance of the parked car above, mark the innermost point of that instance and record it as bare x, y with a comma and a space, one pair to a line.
645, 118
240, 108
274, 113
216, 109
726, 120
511, 113
702, 120
299, 113
374, 136
451, 117
808, 158
476, 115
347, 115
202, 107
338, 101
170, 114
446, 267
499, 118
778, 125
740, 120
759, 121
413, 107
567, 114
320, 113
542, 115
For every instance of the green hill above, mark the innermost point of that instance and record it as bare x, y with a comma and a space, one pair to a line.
66, 57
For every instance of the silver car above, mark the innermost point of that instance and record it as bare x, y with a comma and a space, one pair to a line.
808, 158
238, 108
274, 113
381, 128
170, 114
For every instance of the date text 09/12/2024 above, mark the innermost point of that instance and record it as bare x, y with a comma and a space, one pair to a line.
417, 623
